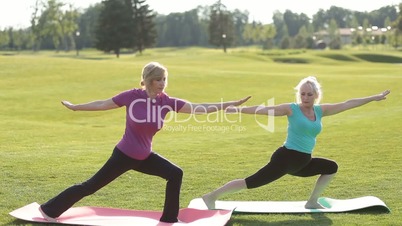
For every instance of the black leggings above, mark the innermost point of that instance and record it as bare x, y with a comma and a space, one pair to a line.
285, 161
118, 164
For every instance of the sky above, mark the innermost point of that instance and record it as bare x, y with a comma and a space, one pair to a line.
17, 13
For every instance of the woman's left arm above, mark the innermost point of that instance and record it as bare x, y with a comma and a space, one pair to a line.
332, 109
204, 108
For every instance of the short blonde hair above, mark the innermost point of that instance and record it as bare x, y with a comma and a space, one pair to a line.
152, 71
315, 85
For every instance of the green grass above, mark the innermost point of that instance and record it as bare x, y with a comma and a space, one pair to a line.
45, 148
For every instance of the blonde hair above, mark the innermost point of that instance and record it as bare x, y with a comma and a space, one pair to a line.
314, 84
152, 71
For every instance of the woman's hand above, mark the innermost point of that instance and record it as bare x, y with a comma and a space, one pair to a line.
382, 96
232, 109
240, 102
68, 105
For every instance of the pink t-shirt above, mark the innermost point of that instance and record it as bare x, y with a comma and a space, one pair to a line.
144, 118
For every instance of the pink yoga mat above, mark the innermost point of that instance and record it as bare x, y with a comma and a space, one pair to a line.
121, 217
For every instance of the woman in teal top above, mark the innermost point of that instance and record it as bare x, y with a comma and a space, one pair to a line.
294, 157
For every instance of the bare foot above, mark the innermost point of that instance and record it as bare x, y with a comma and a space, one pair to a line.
209, 201
313, 205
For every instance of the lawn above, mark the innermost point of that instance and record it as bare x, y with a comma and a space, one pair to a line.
45, 148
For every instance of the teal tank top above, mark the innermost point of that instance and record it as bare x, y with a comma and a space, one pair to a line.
302, 132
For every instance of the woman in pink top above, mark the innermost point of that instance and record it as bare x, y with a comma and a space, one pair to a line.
145, 112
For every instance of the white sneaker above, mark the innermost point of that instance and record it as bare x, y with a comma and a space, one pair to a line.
44, 215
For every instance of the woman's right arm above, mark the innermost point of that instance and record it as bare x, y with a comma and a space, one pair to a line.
98, 105
277, 110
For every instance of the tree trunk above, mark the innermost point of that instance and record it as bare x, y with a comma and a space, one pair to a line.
117, 52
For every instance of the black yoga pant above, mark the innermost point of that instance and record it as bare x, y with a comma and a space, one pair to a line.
285, 161
118, 164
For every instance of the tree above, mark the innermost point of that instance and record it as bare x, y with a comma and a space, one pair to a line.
339, 15
334, 36
260, 34
249, 33
35, 28
280, 27
221, 32
319, 20
144, 34
378, 17
181, 29
366, 32
285, 43
54, 23
49, 22
354, 26
18, 38
4, 39
301, 38
87, 23
115, 27
398, 27
125, 24
294, 22
197, 27
240, 21
68, 24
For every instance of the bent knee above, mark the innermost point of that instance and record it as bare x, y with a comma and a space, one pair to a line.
332, 168
175, 174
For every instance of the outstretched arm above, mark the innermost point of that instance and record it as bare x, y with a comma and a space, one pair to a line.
332, 109
98, 105
204, 108
277, 110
